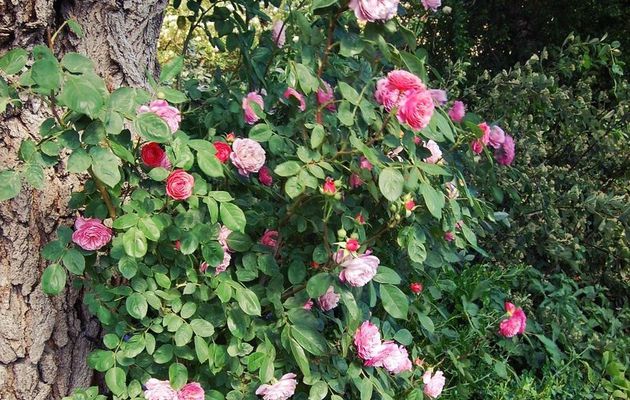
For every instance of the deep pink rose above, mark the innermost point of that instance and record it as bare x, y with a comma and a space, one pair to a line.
329, 186
497, 137
90, 233
308, 305
436, 153
515, 323
281, 390
360, 270
352, 245
153, 155
404, 80
159, 390
374, 10
326, 96
432, 5
278, 33
291, 92
505, 154
365, 164
477, 145
367, 340
328, 300
433, 385
247, 156
264, 176
191, 391
410, 205
179, 185
391, 356
386, 94
223, 151
227, 257
416, 109
449, 236
162, 109
439, 96
270, 238
249, 114
355, 180
457, 111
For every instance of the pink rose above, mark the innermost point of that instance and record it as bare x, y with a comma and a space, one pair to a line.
497, 137
224, 233
436, 153
391, 356
355, 180
328, 300
90, 233
433, 385
432, 5
386, 94
264, 176
515, 323
281, 390
449, 236
457, 111
410, 205
439, 96
191, 391
505, 154
374, 10
179, 185
417, 109
329, 186
404, 80
367, 340
352, 245
290, 92
250, 115
308, 305
247, 156
203, 267
270, 238
162, 109
159, 390
365, 164
326, 96
227, 257
360, 270
278, 33
477, 145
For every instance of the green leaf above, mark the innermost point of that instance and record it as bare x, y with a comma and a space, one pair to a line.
248, 301
261, 133
53, 279
163, 354
404, 337
79, 161
133, 346
75, 27
102, 360
387, 275
322, 4
47, 74
344, 114
201, 349
414, 64
433, 199
10, 185
116, 380
300, 357
318, 284
209, 164
134, 243
317, 136
183, 335
238, 241
126, 221
349, 93
34, 175
159, 174
13, 61
150, 229
128, 267
153, 128
318, 391
288, 168
173, 96
394, 301
81, 95
177, 375
171, 69
232, 217
293, 187
77, 63
366, 388
74, 261
136, 305
105, 166
391, 182
311, 340
426, 322
202, 327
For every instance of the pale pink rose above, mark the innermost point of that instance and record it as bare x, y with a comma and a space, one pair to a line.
457, 111
224, 233
439, 96
203, 267
269, 238
308, 305
432, 5
180, 184
391, 356
227, 257
505, 154
436, 153
355, 180
281, 390
90, 233
404, 80
159, 390
365, 164
249, 114
367, 340
360, 270
386, 94
191, 391
416, 109
247, 156
328, 300
433, 385
278, 33
515, 323
326, 96
374, 10
162, 109
291, 92
341, 256
264, 176
497, 137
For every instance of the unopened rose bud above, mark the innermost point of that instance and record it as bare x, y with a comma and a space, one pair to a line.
416, 287
341, 233
352, 245
447, 10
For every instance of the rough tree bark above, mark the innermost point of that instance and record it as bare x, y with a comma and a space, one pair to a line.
44, 341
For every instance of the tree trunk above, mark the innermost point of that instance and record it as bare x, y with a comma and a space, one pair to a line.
44, 340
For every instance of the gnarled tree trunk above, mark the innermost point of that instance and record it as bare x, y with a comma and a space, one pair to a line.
44, 340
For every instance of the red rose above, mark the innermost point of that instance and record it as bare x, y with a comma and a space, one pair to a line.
179, 185
329, 186
223, 151
264, 176
416, 287
153, 156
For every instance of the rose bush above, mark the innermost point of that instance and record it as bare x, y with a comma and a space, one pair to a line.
322, 171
